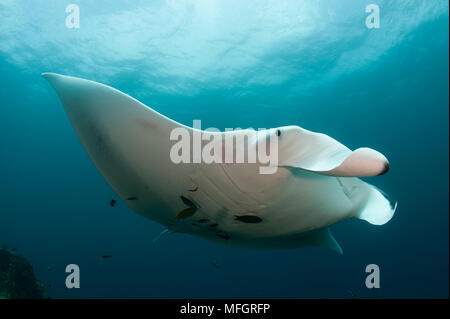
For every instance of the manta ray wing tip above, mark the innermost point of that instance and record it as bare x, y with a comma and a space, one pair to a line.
50, 76
47, 74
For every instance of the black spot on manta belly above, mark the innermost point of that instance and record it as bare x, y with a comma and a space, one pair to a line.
250, 219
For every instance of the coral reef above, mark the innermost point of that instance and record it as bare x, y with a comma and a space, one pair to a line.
17, 278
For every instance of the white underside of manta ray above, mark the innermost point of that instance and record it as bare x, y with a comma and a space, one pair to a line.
315, 184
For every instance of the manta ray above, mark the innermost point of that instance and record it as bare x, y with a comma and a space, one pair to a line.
316, 183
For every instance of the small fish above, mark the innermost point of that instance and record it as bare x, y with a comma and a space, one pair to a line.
194, 189
185, 213
213, 225
132, 198
186, 201
248, 219
188, 212
112, 202
203, 220
224, 236
215, 264
106, 256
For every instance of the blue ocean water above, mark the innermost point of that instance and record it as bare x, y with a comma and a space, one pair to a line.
231, 64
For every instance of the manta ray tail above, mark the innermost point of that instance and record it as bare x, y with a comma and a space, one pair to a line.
165, 231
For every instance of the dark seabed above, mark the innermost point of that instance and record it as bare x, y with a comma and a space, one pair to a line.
230, 64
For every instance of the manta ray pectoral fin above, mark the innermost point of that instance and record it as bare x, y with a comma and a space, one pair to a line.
124, 138
321, 154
